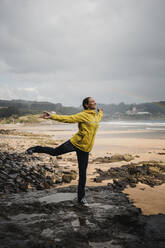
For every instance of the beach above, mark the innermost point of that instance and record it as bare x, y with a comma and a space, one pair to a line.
145, 144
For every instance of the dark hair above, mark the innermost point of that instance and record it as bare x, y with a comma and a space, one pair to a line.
85, 101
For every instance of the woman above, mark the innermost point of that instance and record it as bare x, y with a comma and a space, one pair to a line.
82, 142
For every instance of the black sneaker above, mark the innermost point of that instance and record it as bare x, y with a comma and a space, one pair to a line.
83, 202
29, 151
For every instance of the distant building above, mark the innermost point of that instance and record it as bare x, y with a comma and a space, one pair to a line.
143, 113
134, 111
131, 112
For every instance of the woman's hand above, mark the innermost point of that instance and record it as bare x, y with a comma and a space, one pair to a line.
45, 115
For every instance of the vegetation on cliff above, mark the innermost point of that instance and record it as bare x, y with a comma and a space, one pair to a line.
12, 110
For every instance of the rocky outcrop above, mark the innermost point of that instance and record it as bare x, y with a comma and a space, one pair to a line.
20, 172
53, 218
151, 173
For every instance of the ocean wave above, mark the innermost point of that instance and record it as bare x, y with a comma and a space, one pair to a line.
123, 123
155, 128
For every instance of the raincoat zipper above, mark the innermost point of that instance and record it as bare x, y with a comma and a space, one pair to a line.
94, 132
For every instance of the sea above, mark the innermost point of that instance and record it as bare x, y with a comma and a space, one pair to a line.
145, 128
158, 125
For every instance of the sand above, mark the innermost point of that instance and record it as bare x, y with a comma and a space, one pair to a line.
150, 200
107, 143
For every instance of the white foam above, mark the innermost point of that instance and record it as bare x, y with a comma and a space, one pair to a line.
155, 128
124, 123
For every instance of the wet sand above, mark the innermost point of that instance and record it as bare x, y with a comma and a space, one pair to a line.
150, 200
107, 143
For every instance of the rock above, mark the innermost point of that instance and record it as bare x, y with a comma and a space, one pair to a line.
48, 168
72, 159
58, 180
54, 179
23, 173
66, 167
114, 158
128, 157
97, 180
7, 132
59, 157
73, 174
47, 233
18, 179
124, 157
67, 178
10, 181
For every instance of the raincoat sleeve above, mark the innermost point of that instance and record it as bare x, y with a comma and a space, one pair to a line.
80, 117
100, 115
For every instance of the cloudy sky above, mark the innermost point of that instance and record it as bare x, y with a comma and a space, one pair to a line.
65, 50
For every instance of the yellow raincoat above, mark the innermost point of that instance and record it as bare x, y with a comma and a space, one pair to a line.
88, 122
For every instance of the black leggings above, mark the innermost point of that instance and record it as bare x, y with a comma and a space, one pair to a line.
82, 158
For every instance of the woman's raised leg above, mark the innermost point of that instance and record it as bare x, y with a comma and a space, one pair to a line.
62, 149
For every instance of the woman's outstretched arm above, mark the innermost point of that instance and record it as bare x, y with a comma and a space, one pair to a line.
80, 117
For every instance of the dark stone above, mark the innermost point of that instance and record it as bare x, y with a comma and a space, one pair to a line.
67, 178
151, 173
19, 172
110, 221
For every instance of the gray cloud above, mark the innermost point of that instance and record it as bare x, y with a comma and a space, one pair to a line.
62, 51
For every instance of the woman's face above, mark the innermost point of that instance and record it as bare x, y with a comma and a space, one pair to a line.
91, 103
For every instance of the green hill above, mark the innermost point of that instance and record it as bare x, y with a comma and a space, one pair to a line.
10, 109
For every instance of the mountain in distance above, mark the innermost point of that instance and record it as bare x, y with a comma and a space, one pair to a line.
18, 108
23, 107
